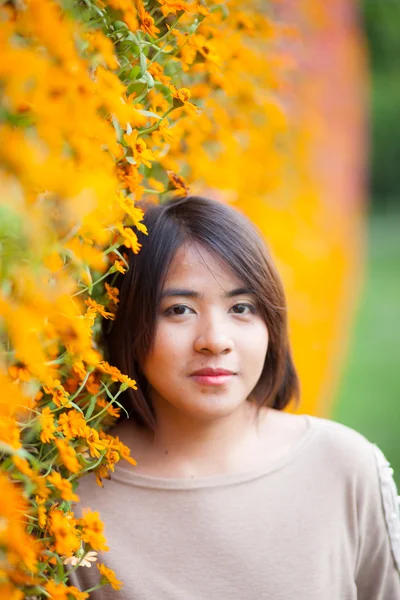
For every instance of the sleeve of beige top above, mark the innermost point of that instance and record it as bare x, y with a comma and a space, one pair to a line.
378, 561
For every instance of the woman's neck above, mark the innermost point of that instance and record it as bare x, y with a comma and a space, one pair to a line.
184, 448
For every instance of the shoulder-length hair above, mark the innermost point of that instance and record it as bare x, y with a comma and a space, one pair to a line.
229, 236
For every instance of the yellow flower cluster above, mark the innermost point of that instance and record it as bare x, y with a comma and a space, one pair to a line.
103, 103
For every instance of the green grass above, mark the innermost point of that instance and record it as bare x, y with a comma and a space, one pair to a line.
369, 395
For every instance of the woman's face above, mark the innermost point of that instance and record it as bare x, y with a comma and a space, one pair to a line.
210, 342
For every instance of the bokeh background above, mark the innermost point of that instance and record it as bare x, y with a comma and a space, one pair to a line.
368, 396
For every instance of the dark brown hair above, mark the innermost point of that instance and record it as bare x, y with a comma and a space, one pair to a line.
231, 237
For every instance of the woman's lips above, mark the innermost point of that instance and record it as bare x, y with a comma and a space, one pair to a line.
212, 379
212, 376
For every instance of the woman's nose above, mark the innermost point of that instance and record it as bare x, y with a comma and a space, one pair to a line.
213, 338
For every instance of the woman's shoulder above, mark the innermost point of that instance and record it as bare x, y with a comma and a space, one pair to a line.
342, 447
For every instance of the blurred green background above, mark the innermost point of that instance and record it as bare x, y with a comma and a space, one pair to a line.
368, 398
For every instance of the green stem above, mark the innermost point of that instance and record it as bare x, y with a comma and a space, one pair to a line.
86, 288
96, 587
81, 387
157, 124
148, 191
96, 416
164, 37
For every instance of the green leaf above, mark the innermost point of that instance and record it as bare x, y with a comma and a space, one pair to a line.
149, 79
117, 127
143, 63
148, 113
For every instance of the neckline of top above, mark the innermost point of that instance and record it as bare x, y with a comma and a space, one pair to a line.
129, 477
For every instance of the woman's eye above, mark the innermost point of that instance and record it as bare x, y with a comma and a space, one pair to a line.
243, 309
178, 310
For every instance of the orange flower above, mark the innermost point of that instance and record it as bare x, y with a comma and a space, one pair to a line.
99, 308
93, 384
157, 71
93, 441
101, 473
22, 465
112, 293
59, 394
59, 591
13, 536
174, 6
177, 183
41, 511
72, 423
108, 576
113, 411
120, 266
147, 22
62, 527
141, 154
9, 432
7, 590
19, 372
92, 530
181, 97
47, 424
68, 456
41, 488
116, 444
136, 214
116, 374
130, 239
63, 486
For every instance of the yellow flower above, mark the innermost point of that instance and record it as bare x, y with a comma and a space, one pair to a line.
174, 6
59, 591
22, 465
113, 411
63, 486
136, 214
99, 308
47, 424
41, 511
119, 266
101, 473
116, 374
177, 182
141, 154
72, 423
130, 239
147, 22
62, 527
41, 488
7, 590
103, 45
59, 394
18, 545
68, 456
108, 576
112, 293
9, 432
181, 98
93, 441
92, 530
19, 372
116, 444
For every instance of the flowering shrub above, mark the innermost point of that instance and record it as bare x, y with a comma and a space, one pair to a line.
103, 102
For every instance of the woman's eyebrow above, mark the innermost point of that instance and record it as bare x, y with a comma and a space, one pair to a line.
170, 292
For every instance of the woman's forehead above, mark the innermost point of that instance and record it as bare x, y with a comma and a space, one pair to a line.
193, 262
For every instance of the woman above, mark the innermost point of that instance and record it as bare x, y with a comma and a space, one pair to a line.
231, 498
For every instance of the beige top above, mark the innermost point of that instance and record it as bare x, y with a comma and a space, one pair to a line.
319, 523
